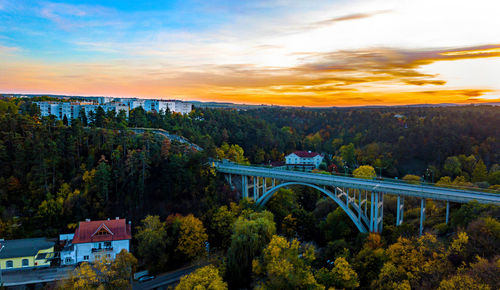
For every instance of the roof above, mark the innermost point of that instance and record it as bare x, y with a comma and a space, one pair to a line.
306, 154
24, 247
101, 231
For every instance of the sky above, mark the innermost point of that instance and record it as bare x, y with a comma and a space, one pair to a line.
299, 53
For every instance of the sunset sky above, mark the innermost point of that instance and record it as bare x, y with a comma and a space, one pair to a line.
302, 53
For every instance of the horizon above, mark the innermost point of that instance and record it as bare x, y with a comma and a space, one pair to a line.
330, 54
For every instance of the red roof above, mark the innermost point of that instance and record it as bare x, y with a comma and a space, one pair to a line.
306, 154
101, 231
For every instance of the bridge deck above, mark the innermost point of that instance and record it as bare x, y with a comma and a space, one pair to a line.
422, 191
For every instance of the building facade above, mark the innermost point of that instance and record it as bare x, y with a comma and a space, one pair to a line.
303, 159
72, 109
94, 240
26, 253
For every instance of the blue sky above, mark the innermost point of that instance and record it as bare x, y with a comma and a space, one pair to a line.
275, 51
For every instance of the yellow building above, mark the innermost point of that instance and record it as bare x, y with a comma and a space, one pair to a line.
26, 253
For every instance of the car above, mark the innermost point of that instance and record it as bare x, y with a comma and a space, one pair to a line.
146, 278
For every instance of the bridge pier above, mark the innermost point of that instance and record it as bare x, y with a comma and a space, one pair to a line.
400, 210
422, 215
447, 211
244, 186
255, 189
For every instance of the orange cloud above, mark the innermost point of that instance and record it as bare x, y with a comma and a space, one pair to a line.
343, 78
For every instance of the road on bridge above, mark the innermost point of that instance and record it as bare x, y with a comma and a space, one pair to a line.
389, 187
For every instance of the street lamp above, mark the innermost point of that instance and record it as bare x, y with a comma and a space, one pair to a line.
431, 173
345, 169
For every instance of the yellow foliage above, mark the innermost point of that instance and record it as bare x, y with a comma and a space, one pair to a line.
204, 278
458, 244
345, 276
459, 282
364, 171
192, 237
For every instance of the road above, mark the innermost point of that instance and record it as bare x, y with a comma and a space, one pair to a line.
28, 276
397, 188
165, 280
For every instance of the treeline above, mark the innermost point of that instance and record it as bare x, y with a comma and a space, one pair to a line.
53, 175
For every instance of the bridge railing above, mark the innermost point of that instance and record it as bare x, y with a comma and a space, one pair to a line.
381, 179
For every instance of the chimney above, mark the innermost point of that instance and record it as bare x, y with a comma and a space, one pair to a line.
108, 219
87, 220
117, 218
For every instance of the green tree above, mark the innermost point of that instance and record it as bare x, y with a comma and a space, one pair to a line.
348, 154
102, 179
152, 243
251, 232
221, 225
452, 166
479, 173
232, 152
337, 225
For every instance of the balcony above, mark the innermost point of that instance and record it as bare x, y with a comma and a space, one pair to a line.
105, 249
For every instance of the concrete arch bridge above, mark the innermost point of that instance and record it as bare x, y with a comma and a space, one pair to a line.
351, 194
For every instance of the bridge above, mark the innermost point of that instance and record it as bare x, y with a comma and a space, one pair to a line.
361, 199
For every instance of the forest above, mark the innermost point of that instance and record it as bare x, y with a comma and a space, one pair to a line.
55, 173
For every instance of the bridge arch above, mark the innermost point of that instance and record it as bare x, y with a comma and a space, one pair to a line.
270, 193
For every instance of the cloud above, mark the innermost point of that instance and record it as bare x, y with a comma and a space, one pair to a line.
9, 50
348, 17
68, 16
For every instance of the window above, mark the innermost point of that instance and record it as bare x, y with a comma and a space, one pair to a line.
97, 257
26, 262
108, 255
107, 244
85, 258
9, 264
102, 232
97, 245
67, 260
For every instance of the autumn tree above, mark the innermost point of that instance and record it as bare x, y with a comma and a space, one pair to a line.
207, 277
364, 171
103, 274
418, 261
192, 237
286, 265
232, 152
341, 276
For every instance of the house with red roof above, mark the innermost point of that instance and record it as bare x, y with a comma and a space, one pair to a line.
303, 159
94, 240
